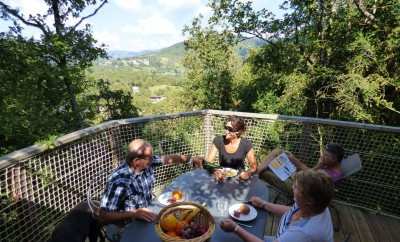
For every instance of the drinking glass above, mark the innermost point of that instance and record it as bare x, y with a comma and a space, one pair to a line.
222, 207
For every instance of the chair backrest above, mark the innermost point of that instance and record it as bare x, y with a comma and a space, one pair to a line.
351, 165
78, 226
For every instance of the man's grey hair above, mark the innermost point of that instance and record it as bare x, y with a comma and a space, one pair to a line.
136, 149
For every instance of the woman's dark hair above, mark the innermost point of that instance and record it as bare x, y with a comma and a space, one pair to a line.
237, 123
336, 150
316, 188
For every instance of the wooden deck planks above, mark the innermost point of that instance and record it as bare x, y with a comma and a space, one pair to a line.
363, 226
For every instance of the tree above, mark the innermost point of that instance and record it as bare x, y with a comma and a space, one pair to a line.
112, 104
336, 59
43, 80
210, 62
68, 47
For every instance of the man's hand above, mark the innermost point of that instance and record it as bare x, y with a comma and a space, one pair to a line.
245, 175
257, 202
198, 161
219, 175
228, 225
145, 214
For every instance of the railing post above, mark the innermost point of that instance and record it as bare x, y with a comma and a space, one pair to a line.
208, 131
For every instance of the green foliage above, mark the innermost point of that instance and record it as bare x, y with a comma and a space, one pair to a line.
210, 62
112, 104
329, 59
43, 79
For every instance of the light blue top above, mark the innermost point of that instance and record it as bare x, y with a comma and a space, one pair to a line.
317, 228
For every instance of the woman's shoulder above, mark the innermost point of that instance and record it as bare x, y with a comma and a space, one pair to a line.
247, 143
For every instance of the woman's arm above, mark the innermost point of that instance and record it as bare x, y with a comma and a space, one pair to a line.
298, 163
270, 207
251, 158
212, 153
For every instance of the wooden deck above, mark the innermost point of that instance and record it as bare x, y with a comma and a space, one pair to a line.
356, 225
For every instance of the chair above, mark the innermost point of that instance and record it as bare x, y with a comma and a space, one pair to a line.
349, 166
110, 232
77, 226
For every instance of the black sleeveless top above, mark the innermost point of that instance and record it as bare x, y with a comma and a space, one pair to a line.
232, 160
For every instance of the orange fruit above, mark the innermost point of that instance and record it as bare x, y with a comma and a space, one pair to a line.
172, 234
180, 225
168, 223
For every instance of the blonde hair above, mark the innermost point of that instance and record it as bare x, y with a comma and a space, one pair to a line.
316, 188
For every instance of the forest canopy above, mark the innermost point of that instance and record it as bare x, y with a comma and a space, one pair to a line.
329, 59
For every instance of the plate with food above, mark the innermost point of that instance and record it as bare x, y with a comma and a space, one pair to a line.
170, 197
242, 212
229, 172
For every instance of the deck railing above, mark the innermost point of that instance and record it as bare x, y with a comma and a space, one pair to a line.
38, 184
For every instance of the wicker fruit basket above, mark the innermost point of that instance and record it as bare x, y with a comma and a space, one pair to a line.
184, 222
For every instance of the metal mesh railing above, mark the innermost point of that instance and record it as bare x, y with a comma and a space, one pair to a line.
38, 186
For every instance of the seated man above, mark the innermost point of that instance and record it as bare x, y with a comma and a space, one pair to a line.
329, 162
308, 219
128, 192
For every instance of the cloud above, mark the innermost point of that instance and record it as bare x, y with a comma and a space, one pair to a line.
153, 32
179, 4
111, 39
29, 6
155, 24
129, 4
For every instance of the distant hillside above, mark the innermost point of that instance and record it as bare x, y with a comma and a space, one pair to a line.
167, 60
121, 54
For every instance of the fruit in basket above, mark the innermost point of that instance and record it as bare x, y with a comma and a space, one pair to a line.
178, 195
180, 226
191, 215
182, 223
168, 223
193, 230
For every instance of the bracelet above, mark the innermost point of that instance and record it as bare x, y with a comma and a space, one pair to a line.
236, 228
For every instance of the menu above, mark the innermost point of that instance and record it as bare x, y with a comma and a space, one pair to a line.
282, 166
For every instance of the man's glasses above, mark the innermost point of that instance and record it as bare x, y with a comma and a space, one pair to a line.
230, 129
145, 157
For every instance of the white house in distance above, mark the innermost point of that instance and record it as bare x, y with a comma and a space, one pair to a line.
135, 89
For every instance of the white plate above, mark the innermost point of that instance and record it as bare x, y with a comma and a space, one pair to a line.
227, 170
248, 217
163, 198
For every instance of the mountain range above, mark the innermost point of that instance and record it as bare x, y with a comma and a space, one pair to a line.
177, 50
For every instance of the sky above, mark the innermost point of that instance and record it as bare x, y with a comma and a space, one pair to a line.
137, 25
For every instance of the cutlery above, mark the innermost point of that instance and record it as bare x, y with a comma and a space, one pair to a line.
245, 225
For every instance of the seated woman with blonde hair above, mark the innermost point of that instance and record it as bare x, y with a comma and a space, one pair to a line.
308, 219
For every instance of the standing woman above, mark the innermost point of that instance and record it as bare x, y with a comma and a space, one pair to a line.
234, 151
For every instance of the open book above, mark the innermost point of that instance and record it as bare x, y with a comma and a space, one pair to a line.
282, 167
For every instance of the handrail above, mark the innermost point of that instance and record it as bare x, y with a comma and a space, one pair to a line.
25, 153
384, 128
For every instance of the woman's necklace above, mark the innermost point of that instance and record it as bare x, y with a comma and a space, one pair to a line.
232, 146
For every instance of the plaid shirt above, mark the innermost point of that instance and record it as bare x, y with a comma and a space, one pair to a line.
126, 190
